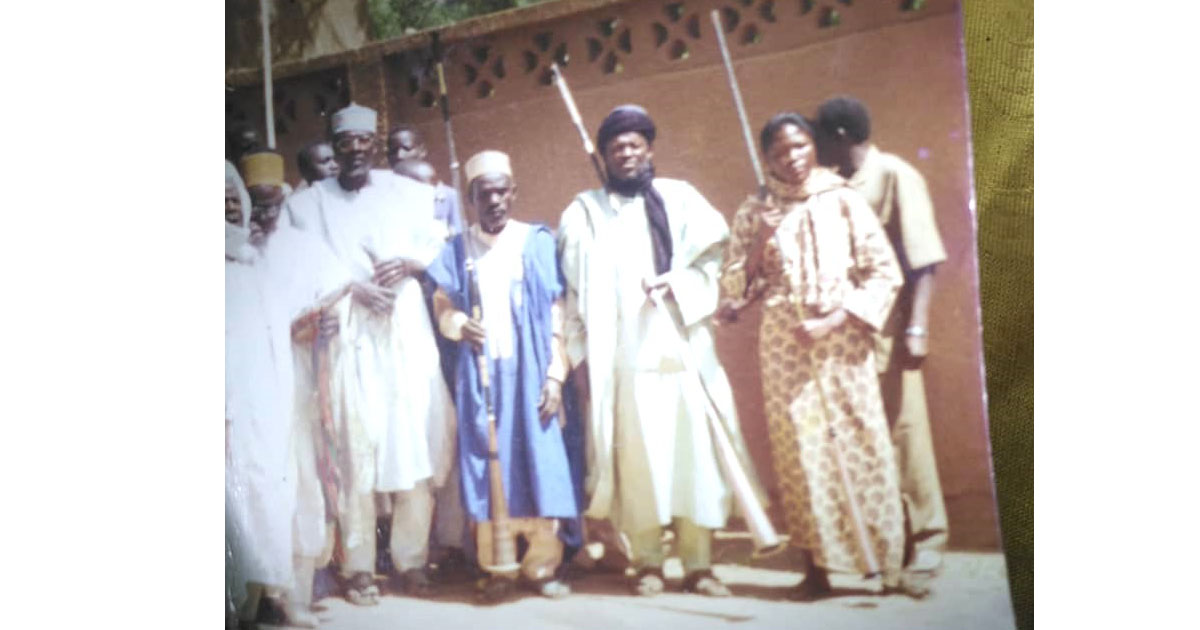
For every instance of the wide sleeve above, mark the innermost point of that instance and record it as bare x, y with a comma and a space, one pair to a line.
572, 230
919, 234
735, 276
694, 285
545, 260
444, 269
875, 275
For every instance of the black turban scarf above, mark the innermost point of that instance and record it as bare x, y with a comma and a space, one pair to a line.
621, 120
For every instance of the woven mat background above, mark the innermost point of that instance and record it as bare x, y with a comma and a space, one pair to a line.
999, 40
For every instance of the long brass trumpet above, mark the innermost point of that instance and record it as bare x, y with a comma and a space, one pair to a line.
504, 543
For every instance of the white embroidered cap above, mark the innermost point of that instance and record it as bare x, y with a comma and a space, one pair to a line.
354, 117
488, 162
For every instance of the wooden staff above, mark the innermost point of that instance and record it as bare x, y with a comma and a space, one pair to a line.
504, 543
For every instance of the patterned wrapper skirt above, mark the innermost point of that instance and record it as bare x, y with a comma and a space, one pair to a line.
831, 445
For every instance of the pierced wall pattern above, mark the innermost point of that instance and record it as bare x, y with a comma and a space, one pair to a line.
618, 42
303, 106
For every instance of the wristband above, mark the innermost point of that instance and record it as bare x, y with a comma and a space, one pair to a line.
916, 331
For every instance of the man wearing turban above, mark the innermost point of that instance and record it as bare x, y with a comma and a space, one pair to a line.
650, 453
278, 282
393, 413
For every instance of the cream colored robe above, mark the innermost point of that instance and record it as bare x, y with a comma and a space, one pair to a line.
393, 407
650, 453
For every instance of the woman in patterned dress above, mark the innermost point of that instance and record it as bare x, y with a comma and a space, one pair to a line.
815, 253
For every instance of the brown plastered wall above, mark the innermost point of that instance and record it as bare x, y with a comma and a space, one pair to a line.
910, 73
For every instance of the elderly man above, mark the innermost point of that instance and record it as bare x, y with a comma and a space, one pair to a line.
316, 162
898, 194
394, 412
276, 289
406, 152
510, 268
651, 453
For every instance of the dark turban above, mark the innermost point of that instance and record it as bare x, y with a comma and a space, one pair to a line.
623, 119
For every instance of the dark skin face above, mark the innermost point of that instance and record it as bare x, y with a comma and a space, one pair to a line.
832, 150
492, 197
404, 145
324, 164
355, 152
233, 205
267, 201
791, 154
627, 155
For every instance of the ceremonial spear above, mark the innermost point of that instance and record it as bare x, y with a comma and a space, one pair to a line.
439, 56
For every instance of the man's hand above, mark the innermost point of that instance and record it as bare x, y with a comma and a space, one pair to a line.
378, 299
728, 310
820, 327
657, 283
327, 327
388, 273
550, 400
474, 333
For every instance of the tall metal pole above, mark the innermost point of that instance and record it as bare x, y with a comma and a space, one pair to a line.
268, 97
739, 105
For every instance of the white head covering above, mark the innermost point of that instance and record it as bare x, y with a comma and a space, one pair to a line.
354, 117
237, 237
488, 163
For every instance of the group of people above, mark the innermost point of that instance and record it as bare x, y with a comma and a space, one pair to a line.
384, 360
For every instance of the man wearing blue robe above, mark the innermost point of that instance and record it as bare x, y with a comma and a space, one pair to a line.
520, 334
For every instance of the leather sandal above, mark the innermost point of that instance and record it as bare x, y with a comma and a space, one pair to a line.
906, 584
415, 583
361, 590
493, 590
647, 582
705, 583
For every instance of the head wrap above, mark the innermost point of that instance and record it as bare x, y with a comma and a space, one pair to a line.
620, 120
625, 118
354, 117
263, 169
488, 163
237, 237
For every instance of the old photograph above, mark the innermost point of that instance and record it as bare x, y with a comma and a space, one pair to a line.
604, 314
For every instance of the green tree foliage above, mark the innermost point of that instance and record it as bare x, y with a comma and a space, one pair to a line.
393, 18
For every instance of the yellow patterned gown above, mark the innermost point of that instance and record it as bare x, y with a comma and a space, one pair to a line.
827, 427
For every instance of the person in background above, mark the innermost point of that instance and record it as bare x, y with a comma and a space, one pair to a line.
405, 151
898, 195
316, 162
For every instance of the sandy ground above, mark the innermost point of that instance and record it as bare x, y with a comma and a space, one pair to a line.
970, 593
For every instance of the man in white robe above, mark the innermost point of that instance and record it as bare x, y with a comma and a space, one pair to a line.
651, 460
272, 278
390, 400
